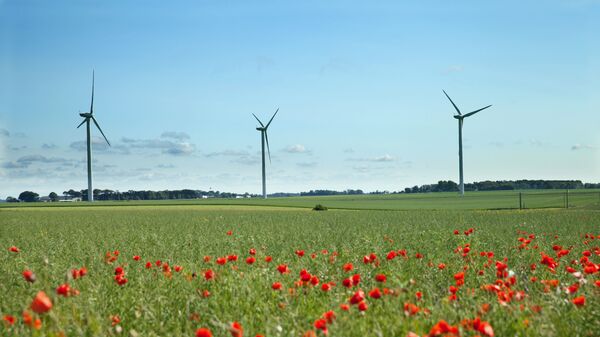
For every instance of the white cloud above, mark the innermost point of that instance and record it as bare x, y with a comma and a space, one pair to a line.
583, 147
297, 148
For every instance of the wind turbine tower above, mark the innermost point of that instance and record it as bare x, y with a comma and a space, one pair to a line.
264, 138
460, 117
87, 117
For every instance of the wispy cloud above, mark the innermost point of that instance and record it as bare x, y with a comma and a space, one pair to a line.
577, 147
384, 158
26, 161
175, 135
307, 164
176, 148
50, 146
297, 148
227, 153
4, 133
455, 68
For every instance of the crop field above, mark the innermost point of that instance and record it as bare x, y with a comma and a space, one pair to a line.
191, 270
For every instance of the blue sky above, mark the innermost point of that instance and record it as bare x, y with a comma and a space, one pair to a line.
358, 83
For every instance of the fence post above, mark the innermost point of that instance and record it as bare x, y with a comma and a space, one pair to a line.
520, 200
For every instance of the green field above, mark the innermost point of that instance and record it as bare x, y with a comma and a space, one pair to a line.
55, 240
531, 199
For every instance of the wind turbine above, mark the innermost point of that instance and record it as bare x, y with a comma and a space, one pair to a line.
87, 117
264, 137
460, 118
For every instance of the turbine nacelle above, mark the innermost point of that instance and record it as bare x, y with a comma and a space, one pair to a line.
86, 114
458, 117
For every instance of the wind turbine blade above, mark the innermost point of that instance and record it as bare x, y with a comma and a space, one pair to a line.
261, 124
98, 126
92, 105
85, 120
270, 120
476, 111
455, 107
268, 149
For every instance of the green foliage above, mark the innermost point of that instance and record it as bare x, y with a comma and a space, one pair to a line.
319, 207
29, 196
54, 240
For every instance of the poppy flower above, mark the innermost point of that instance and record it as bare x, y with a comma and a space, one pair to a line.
362, 306
114, 320
347, 283
221, 260
250, 260
456, 232
276, 286
119, 271
411, 309
268, 259
348, 267
136, 257
441, 328
358, 296
366, 259
41, 303
13, 249
321, 324
283, 268
355, 279
329, 316
344, 307
148, 265
314, 280
232, 258
380, 278
419, 295
120, 279
419, 256
10, 320
597, 283
63, 289
178, 268
158, 263
29, 276
236, 329
300, 253
441, 266
375, 293
209, 275
579, 301
391, 255
203, 332
206, 258
252, 251
327, 286
30, 322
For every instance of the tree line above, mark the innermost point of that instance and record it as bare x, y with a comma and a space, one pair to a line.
441, 186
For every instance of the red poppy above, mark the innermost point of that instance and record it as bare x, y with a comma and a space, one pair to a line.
366, 259
314, 280
348, 267
441, 328
252, 251
441, 266
380, 278
321, 324
419, 295
391, 255
209, 275
411, 309
355, 279
148, 265
344, 307
136, 257
158, 263
419, 256
232, 258
300, 253
221, 260
13, 249
283, 268
579, 301
329, 316
203, 332
236, 329
119, 270
250, 260
30, 322
456, 232
9, 319
358, 296
63, 289
41, 303
268, 259
178, 268
362, 306
375, 293
347, 283
229, 233
206, 258
115, 319
327, 286
29, 276
276, 286
120, 279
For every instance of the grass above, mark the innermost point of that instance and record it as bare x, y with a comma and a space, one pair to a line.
472, 200
54, 240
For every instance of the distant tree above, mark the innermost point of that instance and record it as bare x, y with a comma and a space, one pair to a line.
11, 199
29, 196
53, 196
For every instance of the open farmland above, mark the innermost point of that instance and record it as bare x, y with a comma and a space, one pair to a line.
459, 277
